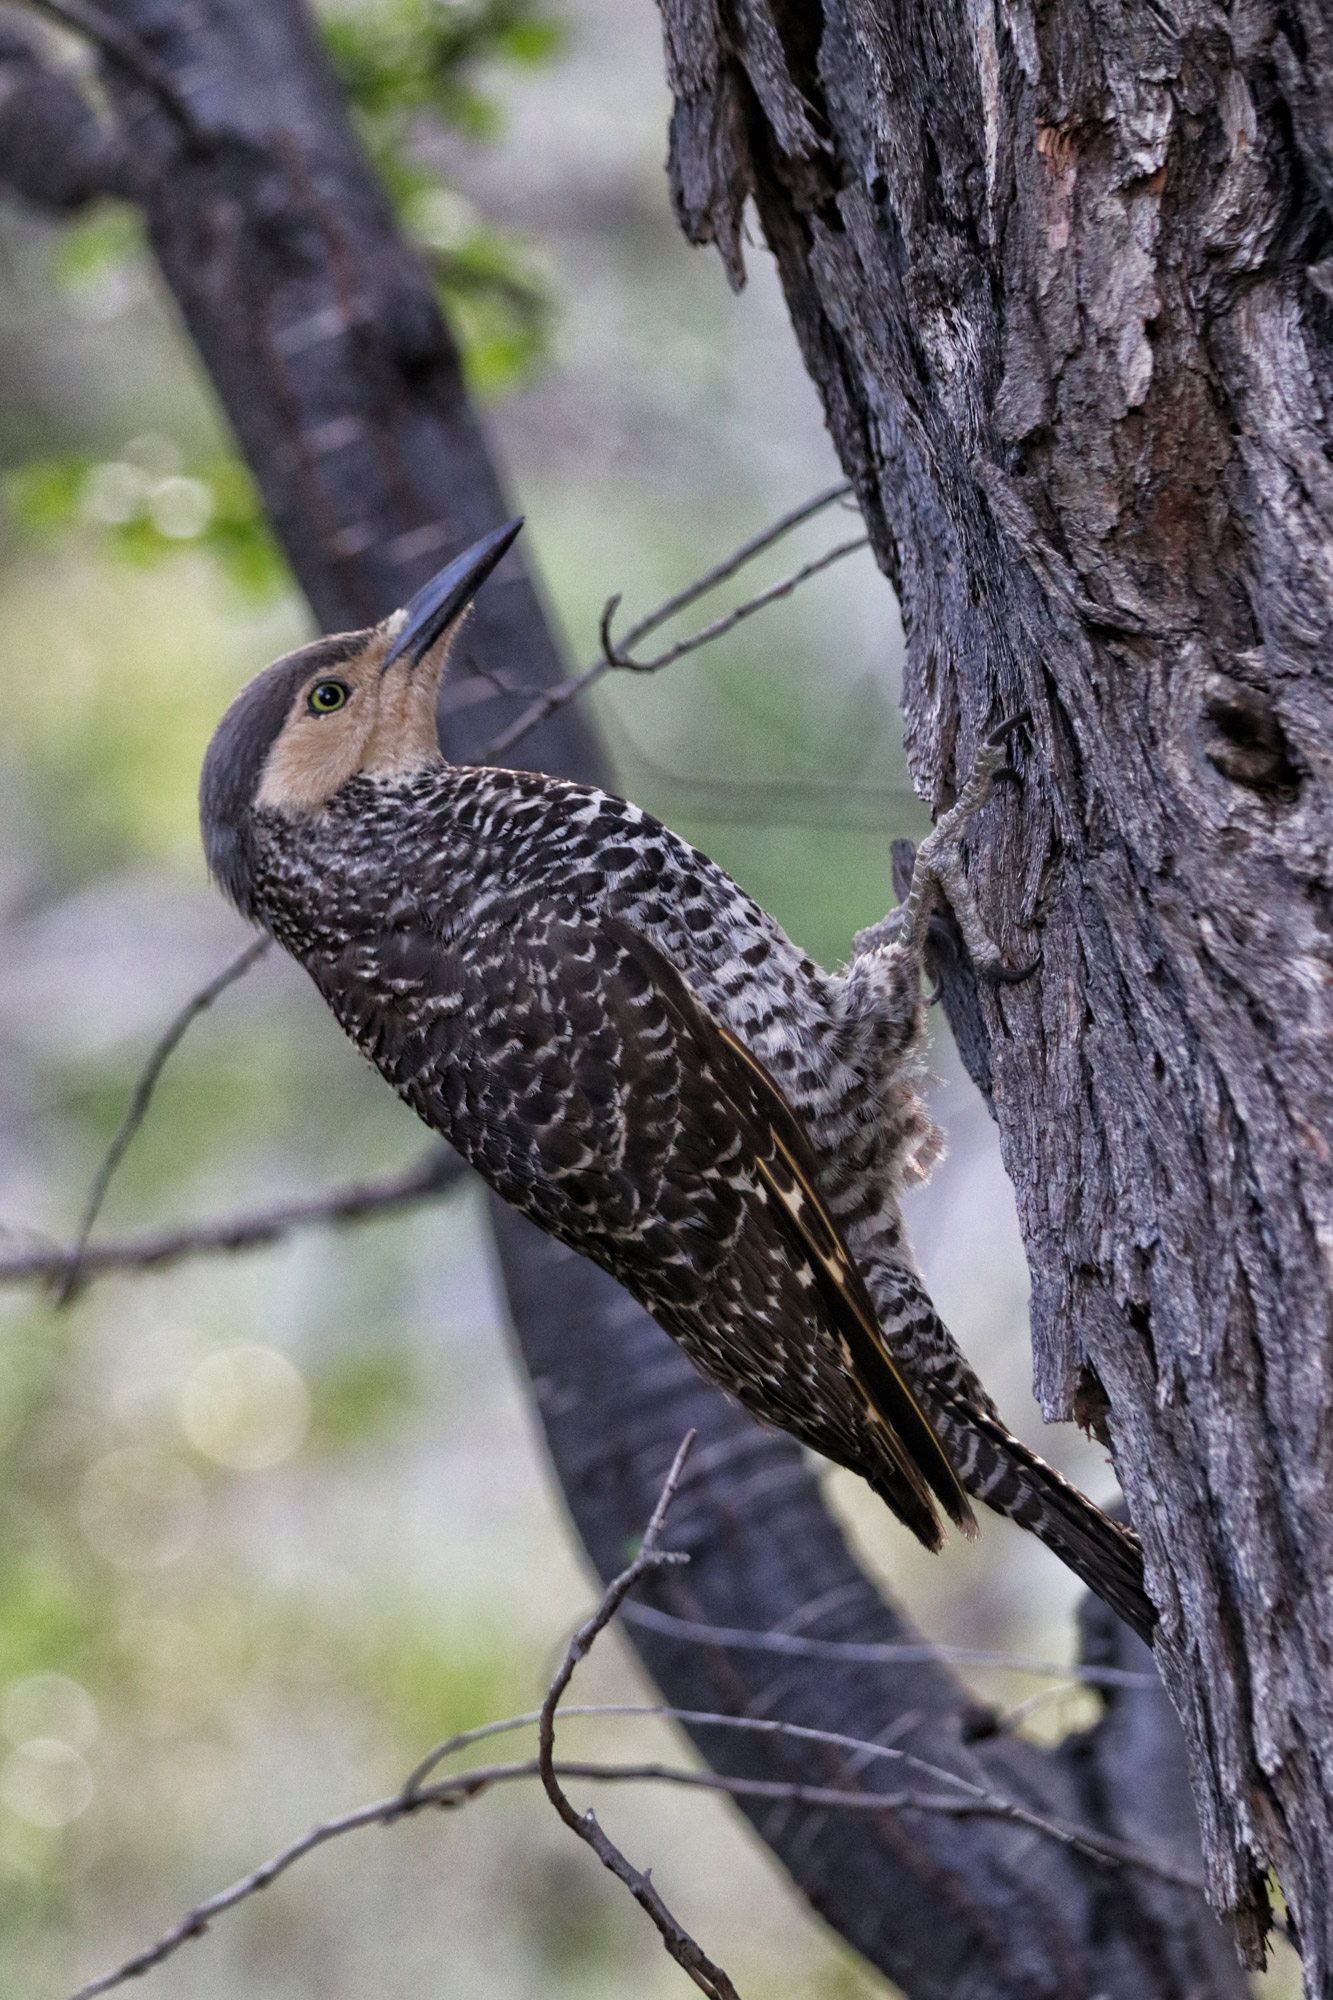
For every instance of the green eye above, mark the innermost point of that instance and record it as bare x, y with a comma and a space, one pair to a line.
326, 696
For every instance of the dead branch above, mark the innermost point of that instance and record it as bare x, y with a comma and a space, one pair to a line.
707, 1976
149, 1076
971, 1799
739, 558
614, 655
794, 1645
464, 1786
441, 1170
618, 655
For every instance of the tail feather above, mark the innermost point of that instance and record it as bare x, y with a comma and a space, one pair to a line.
1014, 1481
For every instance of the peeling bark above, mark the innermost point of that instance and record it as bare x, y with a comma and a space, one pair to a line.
1062, 275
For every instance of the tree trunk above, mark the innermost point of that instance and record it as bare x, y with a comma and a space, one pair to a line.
1062, 276
328, 354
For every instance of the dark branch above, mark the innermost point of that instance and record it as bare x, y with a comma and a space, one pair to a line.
118, 45
54, 149
441, 1170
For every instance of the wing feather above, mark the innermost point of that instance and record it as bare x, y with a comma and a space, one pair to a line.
785, 1163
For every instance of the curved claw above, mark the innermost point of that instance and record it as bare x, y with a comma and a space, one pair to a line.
1010, 975
1004, 730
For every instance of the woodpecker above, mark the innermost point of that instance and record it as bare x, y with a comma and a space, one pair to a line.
632, 1052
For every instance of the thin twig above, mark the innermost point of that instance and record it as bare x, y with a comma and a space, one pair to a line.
126, 49
463, 1786
1008, 1720
688, 1954
855, 1652
618, 654
737, 560
975, 1799
358, 1201
198, 1004
784, 802
967, 1799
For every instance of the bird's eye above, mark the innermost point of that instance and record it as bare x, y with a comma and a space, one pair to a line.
327, 696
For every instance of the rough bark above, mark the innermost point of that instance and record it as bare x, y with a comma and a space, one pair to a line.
325, 348
1062, 276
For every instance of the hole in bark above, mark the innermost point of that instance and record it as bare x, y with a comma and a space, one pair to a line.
801, 30
1092, 1406
1252, 750
1140, 1318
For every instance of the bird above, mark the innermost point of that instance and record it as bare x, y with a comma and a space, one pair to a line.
628, 1048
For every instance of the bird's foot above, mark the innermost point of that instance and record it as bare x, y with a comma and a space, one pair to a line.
938, 873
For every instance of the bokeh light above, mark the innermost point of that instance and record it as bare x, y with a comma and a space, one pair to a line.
140, 1507
46, 1782
246, 1407
49, 1705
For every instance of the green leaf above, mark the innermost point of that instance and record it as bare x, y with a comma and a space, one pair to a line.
409, 58
146, 516
86, 249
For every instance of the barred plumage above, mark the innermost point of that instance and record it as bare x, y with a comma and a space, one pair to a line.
632, 1052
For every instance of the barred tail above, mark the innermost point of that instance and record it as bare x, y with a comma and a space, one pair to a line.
997, 1469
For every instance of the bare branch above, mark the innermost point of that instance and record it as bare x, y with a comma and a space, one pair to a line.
729, 565
106, 34
618, 655
196, 1921
198, 1004
441, 1170
962, 1798
707, 1976
463, 1786
797, 802
975, 1799
852, 1652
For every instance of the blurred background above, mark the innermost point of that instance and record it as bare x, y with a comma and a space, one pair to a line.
273, 1525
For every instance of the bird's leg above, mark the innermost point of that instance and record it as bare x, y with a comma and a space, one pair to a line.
938, 875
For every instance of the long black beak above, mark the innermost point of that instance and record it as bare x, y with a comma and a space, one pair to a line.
439, 602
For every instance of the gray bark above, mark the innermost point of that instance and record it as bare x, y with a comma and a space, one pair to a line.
325, 348
1062, 274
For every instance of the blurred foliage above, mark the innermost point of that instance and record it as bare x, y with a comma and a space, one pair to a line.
89, 246
148, 506
409, 65
406, 66
408, 56
363, 1396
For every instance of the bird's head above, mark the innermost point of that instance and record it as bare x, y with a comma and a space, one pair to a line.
360, 702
